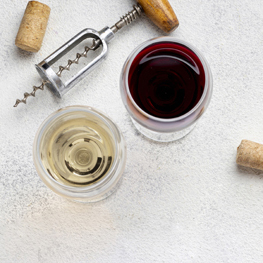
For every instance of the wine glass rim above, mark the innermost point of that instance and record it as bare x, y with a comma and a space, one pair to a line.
166, 39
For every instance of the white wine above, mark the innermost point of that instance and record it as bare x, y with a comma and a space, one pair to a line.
78, 150
80, 154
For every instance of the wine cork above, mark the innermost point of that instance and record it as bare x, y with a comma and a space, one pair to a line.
33, 26
250, 154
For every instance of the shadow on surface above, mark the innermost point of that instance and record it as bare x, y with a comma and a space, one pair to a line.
242, 170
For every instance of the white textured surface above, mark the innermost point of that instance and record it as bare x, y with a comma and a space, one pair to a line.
185, 201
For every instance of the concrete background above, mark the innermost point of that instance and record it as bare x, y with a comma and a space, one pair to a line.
185, 201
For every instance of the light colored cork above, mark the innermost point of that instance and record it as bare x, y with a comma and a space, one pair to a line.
33, 26
250, 154
161, 13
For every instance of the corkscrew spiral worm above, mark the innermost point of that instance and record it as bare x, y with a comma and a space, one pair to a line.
26, 94
95, 45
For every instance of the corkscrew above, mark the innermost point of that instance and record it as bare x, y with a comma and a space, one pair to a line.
159, 11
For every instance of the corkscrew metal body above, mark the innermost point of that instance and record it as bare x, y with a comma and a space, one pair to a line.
100, 38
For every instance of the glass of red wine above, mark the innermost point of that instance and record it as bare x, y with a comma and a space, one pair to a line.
166, 85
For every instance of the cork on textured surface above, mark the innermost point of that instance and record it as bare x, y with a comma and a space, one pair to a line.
250, 154
33, 26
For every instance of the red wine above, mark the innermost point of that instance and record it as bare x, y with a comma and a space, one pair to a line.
166, 79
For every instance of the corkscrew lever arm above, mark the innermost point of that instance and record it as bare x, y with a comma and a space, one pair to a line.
53, 80
101, 38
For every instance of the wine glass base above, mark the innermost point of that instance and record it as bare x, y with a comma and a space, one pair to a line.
162, 136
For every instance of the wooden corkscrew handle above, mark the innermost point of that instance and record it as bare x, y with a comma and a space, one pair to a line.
161, 13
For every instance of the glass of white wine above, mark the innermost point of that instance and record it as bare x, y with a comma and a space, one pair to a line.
80, 154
